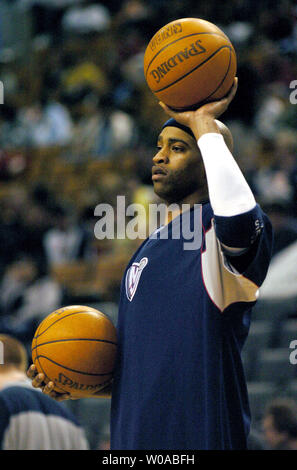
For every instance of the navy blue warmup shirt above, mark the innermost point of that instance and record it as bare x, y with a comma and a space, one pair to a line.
184, 316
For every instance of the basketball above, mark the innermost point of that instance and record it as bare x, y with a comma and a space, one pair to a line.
189, 62
75, 347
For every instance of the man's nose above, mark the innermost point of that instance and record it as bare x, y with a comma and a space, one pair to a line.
161, 157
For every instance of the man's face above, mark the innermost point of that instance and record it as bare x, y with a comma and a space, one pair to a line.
272, 436
178, 169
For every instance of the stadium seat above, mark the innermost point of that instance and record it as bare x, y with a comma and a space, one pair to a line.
273, 365
260, 393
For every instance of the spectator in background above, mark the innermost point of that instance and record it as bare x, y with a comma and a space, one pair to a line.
87, 18
280, 424
29, 420
11, 234
58, 118
273, 104
47, 122
24, 220
67, 240
103, 129
81, 74
86, 129
274, 180
117, 130
12, 131
35, 222
47, 15
27, 292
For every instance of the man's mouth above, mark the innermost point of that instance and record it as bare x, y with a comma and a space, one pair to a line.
158, 173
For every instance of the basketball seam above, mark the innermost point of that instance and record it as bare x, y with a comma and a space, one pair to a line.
191, 71
35, 338
77, 339
73, 370
59, 319
205, 101
37, 358
179, 39
224, 78
45, 375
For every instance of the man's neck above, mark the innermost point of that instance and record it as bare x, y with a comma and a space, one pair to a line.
185, 204
11, 375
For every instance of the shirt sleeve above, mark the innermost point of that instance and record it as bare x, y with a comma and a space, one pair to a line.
227, 285
229, 192
240, 231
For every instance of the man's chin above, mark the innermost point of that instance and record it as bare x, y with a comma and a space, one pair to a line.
167, 195
159, 190
171, 195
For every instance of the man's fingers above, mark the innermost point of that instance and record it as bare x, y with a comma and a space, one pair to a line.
228, 99
233, 91
167, 109
32, 371
38, 379
48, 388
171, 112
183, 117
59, 396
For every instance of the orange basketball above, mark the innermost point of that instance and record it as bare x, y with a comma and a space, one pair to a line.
189, 61
75, 347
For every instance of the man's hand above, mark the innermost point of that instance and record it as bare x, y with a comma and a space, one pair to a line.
202, 120
47, 386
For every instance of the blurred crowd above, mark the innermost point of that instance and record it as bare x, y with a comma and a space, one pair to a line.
79, 125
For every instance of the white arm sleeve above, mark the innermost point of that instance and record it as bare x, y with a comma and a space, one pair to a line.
229, 192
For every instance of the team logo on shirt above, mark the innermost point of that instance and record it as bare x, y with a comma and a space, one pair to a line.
133, 276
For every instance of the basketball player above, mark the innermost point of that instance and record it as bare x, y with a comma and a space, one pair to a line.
184, 315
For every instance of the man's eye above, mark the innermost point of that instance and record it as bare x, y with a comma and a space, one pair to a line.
177, 148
